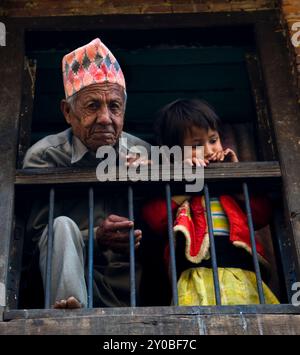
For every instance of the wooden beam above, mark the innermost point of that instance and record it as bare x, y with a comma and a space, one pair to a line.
263, 130
285, 113
29, 8
11, 70
215, 172
156, 323
26, 109
15, 264
149, 21
155, 311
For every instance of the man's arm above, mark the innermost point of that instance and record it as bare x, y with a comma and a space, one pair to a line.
35, 158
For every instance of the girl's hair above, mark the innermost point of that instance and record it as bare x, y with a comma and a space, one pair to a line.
175, 119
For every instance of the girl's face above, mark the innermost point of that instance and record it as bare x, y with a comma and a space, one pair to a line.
210, 140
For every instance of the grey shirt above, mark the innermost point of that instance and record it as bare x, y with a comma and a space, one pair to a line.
66, 150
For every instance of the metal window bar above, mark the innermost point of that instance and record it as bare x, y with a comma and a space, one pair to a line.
91, 248
49, 249
132, 249
253, 245
212, 247
172, 246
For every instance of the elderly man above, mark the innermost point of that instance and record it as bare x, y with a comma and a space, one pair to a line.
94, 107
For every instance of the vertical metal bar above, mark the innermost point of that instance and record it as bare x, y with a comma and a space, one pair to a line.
132, 249
172, 246
212, 247
253, 246
91, 248
49, 250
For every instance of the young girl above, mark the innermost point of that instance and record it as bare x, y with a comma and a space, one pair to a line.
195, 123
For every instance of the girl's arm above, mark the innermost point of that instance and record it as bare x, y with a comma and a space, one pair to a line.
261, 209
154, 213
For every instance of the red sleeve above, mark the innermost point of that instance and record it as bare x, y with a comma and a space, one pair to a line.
154, 213
261, 210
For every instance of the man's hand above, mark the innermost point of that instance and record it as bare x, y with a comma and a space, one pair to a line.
113, 233
224, 155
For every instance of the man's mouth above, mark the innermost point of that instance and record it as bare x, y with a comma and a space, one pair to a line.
103, 132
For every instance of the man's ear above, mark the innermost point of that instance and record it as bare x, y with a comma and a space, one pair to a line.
65, 109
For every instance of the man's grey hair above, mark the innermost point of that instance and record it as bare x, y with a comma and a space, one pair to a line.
71, 100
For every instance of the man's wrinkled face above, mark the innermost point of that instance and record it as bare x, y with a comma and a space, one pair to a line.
97, 115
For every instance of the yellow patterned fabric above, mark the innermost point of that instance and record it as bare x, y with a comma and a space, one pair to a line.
196, 287
219, 218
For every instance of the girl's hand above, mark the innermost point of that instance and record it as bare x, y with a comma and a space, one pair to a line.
196, 162
226, 154
230, 155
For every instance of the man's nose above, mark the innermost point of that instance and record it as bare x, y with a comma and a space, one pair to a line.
103, 116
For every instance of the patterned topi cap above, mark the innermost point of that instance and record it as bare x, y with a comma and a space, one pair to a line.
90, 64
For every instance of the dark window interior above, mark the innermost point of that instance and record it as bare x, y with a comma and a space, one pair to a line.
159, 66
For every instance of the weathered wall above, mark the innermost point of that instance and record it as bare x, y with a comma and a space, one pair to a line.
291, 17
96, 7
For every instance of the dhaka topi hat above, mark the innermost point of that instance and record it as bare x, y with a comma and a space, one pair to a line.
90, 64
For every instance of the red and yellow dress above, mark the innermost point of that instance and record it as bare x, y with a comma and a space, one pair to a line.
232, 238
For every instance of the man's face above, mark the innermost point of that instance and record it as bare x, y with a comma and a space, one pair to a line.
97, 115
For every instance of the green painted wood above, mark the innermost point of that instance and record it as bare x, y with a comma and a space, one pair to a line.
232, 106
155, 77
163, 78
154, 56
187, 77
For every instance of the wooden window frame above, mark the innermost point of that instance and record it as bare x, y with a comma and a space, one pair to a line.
284, 112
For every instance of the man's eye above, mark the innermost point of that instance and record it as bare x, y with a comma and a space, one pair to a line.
115, 106
93, 106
